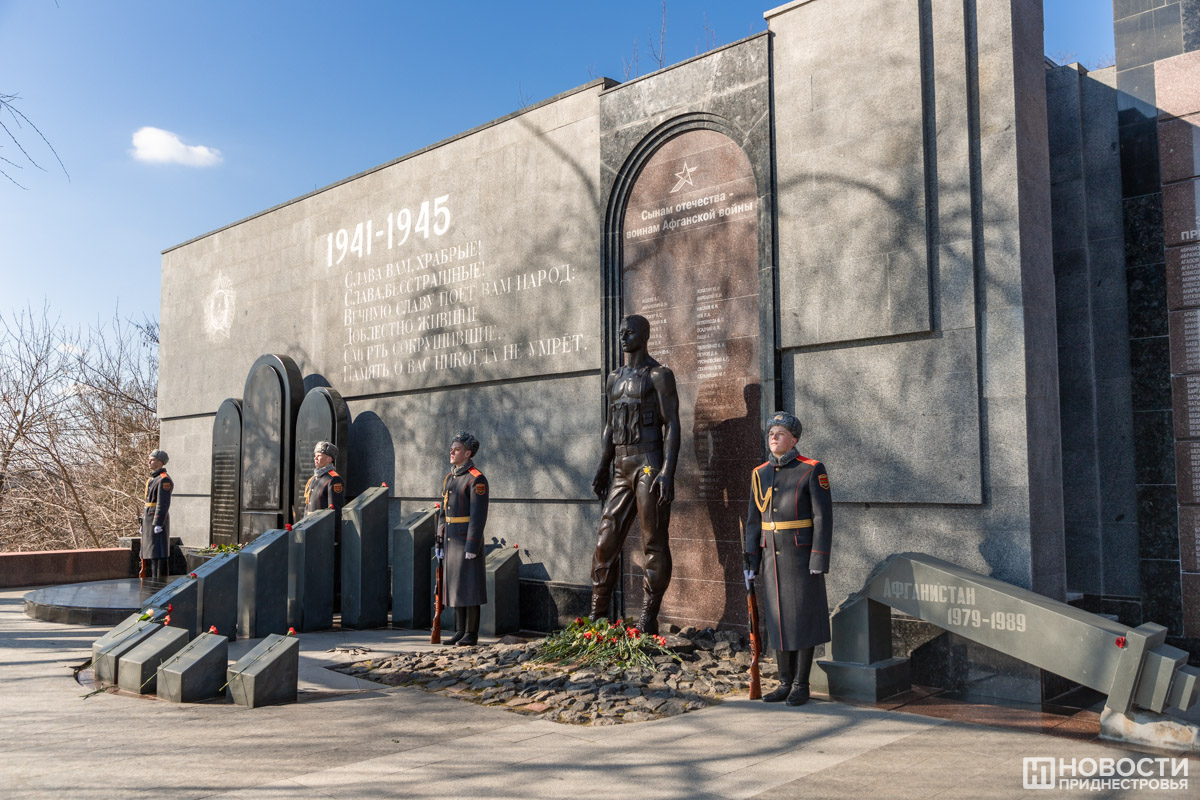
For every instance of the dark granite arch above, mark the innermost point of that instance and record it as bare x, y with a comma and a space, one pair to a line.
323, 417
225, 486
271, 401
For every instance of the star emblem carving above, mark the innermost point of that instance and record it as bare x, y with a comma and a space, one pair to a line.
685, 178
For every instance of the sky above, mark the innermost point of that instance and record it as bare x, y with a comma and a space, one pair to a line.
175, 118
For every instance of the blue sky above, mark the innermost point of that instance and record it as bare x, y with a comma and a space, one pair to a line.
272, 99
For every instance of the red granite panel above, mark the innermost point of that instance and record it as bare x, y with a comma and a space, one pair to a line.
1187, 472
1189, 538
1181, 201
1183, 277
1185, 340
1179, 148
1177, 85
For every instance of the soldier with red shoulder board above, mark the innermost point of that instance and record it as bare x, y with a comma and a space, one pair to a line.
460, 539
788, 533
156, 517
326, 488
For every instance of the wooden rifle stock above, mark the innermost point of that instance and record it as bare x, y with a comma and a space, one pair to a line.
755, 633
435, 636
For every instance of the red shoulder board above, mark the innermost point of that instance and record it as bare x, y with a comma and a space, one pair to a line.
810, 461
760, 466
333, 473
476, 472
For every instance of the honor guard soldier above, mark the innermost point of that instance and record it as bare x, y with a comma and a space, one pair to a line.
639, 446
460, 539
788, 532
325, 489
156, 517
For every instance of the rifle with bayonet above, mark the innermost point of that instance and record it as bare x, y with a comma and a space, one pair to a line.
755, 633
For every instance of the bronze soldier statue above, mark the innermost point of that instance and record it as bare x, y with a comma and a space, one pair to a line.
459, 544
640, 446
156, 518
789, 529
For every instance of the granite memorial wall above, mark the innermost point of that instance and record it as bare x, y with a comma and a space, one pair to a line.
862, 238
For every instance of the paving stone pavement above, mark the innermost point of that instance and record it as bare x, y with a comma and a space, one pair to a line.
349, 738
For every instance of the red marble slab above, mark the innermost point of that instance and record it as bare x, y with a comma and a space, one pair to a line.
1189, 538
1183, 277
1187, 472
1179, 148
1177, 85
1185, 399
1185, 340
1181, 202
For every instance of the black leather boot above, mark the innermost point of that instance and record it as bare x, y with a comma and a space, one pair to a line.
471, 638
649, 621
786, 661
600, 604
799, 694
460, 626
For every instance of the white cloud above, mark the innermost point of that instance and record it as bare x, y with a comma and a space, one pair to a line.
163, 147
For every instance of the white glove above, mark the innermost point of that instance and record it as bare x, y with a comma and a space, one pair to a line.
749, 574
439, 553
470, 556
814, 572
158, 528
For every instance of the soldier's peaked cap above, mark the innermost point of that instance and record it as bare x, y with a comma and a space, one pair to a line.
325, 449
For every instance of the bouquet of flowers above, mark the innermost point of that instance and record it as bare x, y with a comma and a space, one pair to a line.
603, 643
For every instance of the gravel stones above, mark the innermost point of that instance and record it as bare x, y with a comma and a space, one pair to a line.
713, 665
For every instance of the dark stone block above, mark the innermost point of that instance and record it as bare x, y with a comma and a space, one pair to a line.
1162, 599
217, 589
1127, 610
1154, 447
548, 606
138, 669
1139, 151
225, 486
180, 601
322, 418
196, 672
365, 560
262, 585
1147, 287
1143, 224
272, 397
310, 572
502, 613
1168, 31
412, 543
108, 649
1134, 40
268, 674
1157, 525
1190, 19
1189, 538
1191, 604
1127, 8
1150, 378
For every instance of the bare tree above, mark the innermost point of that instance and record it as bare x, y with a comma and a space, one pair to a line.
659, 53
630, 65
12, 122
77, 418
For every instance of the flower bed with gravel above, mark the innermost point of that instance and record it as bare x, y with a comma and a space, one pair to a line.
701, 668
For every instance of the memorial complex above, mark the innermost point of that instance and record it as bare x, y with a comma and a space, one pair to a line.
970, 272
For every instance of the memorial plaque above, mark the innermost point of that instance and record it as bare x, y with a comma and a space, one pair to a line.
502, 612
365, 560
1185, 340
217, 590
272, 398
108, 649
226, 482
1185, 398
1178, 149
1187, 472
179, 599
412, 543
138, 669
263, 585
310, 573
1189, 538
196, 672
1181, 202
690, 266
1183, 277
267, 675
322, 418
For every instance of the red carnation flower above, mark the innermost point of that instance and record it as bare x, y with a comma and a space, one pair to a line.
661, 640
170, 607
1120, 641
291, 632
167, 619
287, 527
212, 628
579, 620
191, 574
385, 484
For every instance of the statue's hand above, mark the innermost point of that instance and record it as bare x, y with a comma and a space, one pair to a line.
600, 485
665, 487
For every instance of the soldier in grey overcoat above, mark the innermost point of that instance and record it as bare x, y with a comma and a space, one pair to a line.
788, 533
463, 516
156, 518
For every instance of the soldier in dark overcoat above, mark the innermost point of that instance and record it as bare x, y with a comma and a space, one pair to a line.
788, 534
156, 517
326, 488
463, 515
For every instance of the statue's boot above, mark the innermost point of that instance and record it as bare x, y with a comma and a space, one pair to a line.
786, 661
649, 621
460, 626
798, 696
471, 637
600, 605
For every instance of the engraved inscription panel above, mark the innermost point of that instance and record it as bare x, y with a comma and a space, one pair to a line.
226, 474
690, 266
